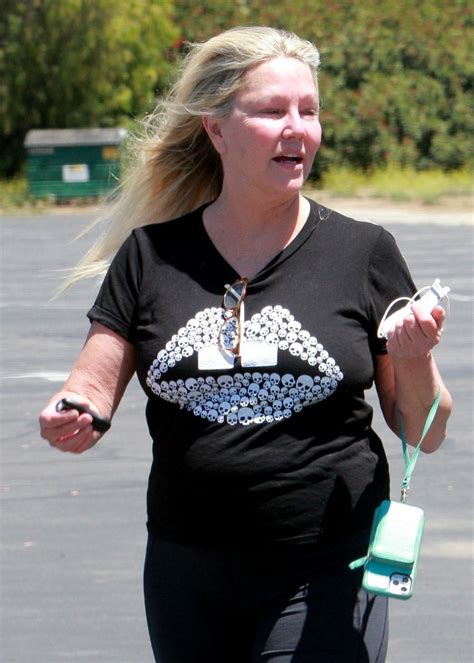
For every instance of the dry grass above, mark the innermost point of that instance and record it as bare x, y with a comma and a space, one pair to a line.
399, 185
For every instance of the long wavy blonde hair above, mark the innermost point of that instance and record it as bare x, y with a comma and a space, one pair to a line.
176, 167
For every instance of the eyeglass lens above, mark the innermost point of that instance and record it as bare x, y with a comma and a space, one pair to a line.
234, 295
230, 333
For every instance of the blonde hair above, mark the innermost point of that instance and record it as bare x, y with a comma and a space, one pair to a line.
177, 168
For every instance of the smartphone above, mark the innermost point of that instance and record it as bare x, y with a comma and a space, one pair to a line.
100, 424
394, 550
389, 581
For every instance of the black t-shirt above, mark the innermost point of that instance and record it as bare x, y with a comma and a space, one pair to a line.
279, 450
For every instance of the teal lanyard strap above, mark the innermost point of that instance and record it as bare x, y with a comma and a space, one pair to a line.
410, 462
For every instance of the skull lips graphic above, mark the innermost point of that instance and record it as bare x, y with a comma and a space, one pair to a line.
252, 396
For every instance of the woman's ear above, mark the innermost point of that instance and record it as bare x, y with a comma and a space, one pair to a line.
212, 126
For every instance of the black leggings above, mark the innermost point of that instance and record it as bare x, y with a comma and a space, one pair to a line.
211, 606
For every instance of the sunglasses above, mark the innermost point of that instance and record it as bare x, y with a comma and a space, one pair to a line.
230, 335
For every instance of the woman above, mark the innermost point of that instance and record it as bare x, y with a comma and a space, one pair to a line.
250, 316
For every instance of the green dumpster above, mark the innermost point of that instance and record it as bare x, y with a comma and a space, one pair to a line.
70, 163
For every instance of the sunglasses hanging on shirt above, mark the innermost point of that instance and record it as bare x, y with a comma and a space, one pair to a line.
231, 331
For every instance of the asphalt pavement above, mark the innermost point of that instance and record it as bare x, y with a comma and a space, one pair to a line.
73, 527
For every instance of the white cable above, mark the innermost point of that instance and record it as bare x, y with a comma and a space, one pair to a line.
433, 295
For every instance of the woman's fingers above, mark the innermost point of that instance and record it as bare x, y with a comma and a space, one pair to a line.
417, 334
67, 430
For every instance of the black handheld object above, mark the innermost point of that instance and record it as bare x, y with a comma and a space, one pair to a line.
100, 424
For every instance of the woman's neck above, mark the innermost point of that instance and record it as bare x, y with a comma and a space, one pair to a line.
247, 235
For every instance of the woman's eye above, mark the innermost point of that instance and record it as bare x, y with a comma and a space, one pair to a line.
271, 111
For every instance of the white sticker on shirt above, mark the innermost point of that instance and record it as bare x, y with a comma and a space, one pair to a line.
211, 357
255, 352
251, 397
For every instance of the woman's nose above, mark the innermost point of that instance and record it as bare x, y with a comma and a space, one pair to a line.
294, 127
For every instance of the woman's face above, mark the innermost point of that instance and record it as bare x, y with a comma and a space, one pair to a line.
272, 133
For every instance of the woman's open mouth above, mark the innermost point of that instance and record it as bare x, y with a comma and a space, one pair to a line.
290, 160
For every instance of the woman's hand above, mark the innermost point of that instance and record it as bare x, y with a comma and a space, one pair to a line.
68, 430
102, 371
417, 334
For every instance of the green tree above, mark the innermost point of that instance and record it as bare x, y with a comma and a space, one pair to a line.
78, 63
395, 78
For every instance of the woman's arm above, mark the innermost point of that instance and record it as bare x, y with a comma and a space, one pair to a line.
98, 379
408, 379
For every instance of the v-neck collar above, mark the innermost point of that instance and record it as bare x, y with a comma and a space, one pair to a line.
222, 266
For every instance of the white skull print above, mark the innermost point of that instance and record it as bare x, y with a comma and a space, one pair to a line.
247, 398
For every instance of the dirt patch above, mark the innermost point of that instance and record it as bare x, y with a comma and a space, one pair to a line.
457, 203
457, 210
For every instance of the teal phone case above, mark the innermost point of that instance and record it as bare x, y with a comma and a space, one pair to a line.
394, 548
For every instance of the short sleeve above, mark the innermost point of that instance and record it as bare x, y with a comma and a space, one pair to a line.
116, 303
389, 278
